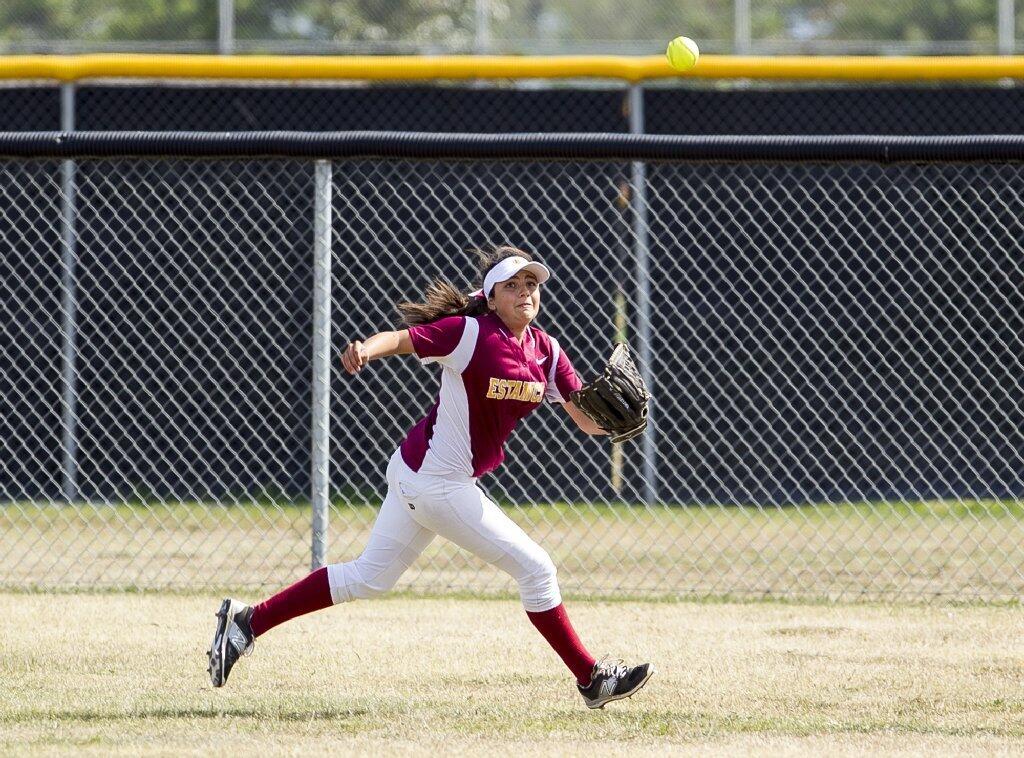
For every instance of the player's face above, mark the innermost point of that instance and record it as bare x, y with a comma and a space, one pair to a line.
517, 300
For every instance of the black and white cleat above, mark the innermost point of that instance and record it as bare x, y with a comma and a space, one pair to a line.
232, 639
614, 680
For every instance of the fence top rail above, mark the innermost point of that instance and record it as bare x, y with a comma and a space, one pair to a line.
70, 68
540, 146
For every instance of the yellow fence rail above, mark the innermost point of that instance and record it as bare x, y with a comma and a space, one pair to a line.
69, 68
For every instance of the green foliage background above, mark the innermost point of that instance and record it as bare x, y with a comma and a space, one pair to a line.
531, 25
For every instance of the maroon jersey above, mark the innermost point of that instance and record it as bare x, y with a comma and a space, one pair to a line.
489, 381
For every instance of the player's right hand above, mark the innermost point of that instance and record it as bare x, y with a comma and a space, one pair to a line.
354, 357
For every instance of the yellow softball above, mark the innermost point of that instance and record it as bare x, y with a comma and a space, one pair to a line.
682, 53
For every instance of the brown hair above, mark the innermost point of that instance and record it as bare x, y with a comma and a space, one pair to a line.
442, 298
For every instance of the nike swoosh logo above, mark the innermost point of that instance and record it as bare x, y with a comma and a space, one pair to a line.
541, 360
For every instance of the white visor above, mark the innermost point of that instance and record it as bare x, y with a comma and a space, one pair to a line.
509, 267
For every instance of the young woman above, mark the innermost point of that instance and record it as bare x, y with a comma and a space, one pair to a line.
497, 369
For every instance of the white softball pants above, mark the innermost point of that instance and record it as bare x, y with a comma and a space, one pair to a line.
417, 507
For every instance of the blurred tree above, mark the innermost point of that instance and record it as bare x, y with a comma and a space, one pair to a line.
650, 22
441, 22
543, 25
881, 20
418, 23
916, 20
105, 20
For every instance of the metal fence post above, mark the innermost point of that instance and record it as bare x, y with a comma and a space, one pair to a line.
641, 232
741, 27
482, 32
321, 360
226, 27
69, 306
1007, 30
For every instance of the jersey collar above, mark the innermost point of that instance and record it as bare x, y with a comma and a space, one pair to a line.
528, 337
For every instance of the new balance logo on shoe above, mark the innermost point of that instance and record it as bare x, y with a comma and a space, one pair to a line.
614, 680
236, 637
231, 639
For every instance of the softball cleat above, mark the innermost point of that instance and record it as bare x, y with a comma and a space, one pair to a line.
614, 680
232, 639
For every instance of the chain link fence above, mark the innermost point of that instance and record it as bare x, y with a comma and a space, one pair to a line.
836, 371
756, 108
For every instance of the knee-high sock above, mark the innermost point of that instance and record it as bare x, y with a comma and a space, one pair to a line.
554, 625
305, 596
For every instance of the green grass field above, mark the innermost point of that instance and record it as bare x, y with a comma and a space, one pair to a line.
954, 550
124, 674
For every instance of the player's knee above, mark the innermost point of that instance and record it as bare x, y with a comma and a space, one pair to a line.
374, 581
538, 584
360, 580
374, 587
545, 567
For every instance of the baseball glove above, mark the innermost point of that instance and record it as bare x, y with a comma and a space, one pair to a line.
617, 399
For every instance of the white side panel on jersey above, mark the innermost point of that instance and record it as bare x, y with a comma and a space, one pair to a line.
449, 448
551, 393
458, 355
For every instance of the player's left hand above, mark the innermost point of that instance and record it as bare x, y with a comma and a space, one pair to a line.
616, 400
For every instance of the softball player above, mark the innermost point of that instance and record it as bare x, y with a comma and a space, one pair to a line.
496, 369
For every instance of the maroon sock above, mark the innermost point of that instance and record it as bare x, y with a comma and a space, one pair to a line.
305, 596
554, 625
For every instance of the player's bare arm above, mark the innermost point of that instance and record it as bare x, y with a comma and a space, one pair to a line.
380, 345
583, 421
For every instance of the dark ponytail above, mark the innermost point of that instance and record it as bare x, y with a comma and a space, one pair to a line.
442, 298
